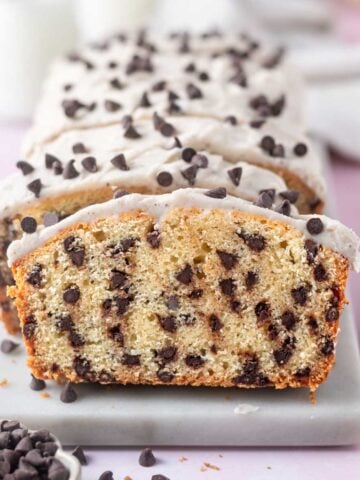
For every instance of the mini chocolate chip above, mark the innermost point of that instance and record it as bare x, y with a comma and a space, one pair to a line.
190, 174
131, 132
119, 162
257, 123
219, 193
154, 239
50, 219
300, 295
29, 327
227, 286
165, 376
159, 86
187, 154
176, 144
264, 200
282, 355
116, 334
230, 119
228, 260
79, 453
112, 106
120, 193
51, 161
300, 149
147, 458
312, 249
312, 323
332, 314
157, 121
328, 347
193, 91
65, 323
118, 279
288, 319
194, 361
144, 101
35, 187
172, 96
115, 83
215, 323
37, 384
251, 280
291, 195
262, 311
197, 293
71, 295
126, 121
320, 273
8, 346
130, 360
167, 354
122, 305
89, 164
173, 302
29, 225
79, 148
185, 275
35, 276
164, 179
315, 226
204, 76
303, 372
235, 175
167, 130
168, 323
255, 242
267, 143
284, 208
70, 171
278, 151
25, 167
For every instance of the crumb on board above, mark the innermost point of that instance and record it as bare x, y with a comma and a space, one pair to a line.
183, 459
209, 466
45, 395
127, 478
312, 397
4, 382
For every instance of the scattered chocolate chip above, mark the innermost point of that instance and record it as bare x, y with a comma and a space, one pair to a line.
120, 193
230, 119
312, 249
332, 314
194, 361
158, 476
187, 154
264, 200
89, 164
71, 295
300, 149
35, 187
185, 275
28, 225
25, 167
300, 295
79, 148
235, 175
328, 346
144, 101
111, 106
190, 173
154, 239
193, 91
35, 276
68, 393
131, 132
215, 323
82, 367
8, 346
119, 162
284, 208
219, 193
291, 195
320, 273
172, 96
313, 324
147, 458
79, 453
50, 219
107, 475
65, 323
51, 161
130, 360
168, 323
190, 68
70, 171
167, 130
227, 286
117, 279
251, 280
72, 107
288, 319
164, 179
315, 226
228, 260
37, 384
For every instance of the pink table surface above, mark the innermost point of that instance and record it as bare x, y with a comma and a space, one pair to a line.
234, 463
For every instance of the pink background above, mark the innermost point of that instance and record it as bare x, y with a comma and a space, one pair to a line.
234, 463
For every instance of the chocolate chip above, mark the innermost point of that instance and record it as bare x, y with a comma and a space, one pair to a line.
89, 164
204, 76
76, 340
112, 106
320, 273
116, 334
164, 179
119, 162
37, 384
300, 149
107, 475
28, 225
312, 323
165, 376
159, 477
190, 68
120, 193
131, 132
255, 242
147, 458
288, 319
303, 372
201, 161
118, 279
122, 305
264, 200
251, 280
35, 276
193, 91
257, 123
154, 239
72, 107
172, 96
57, 471
291, 195
194, 361
159, 86
144, 101
315, 226
230, 119
332, 314
176, 144
82, 367
185, 275
215, 323
70, 171
80, 455
262, 311
284, 208
71, 295
50, 219
282, 355
35, 187
167, 354
79, 148
190, 173
228, 260
130, 360
65, 323
235, 175
8, 346
25, 167
24, 446
187, 154
115, 83
167, 130
173, 302
219, 193
29, 327
112, 65
300, 295
168, 323
126, 121
227, 286
197, 293
328, 346
267, 143
312, 249
51, 161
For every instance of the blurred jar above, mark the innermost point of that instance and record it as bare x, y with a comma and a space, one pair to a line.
99, 18
32, 33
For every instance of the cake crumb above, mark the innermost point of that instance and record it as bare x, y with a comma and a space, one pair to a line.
312, 397
203, 469
211, 467
127, 478
183, 459
45, 395
4, 382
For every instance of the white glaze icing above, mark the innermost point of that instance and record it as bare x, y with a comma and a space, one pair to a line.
335, 235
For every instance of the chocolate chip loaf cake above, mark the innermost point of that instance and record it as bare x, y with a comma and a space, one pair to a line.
194, 287
151, 114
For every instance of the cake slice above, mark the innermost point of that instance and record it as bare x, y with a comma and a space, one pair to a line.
189, 288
